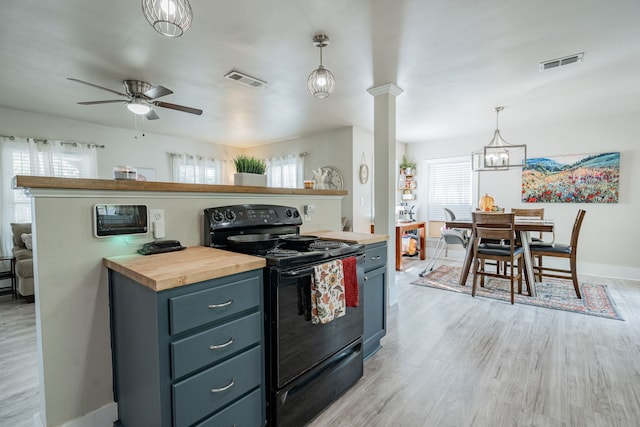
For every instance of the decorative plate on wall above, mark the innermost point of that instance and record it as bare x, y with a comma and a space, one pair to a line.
333, 180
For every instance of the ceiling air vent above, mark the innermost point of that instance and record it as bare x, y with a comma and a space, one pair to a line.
244, 79
561, 62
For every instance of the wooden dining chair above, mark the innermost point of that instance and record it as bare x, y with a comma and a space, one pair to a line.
560, 250
491, 227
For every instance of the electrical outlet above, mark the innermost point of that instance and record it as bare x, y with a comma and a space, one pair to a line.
156, 215
157, 223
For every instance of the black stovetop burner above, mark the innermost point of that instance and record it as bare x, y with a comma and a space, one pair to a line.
314, 252
223, 222
325, 245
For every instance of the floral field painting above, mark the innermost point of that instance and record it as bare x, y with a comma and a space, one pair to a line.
587, 178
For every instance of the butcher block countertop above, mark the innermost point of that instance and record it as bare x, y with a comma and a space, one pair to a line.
172, 269
351, 237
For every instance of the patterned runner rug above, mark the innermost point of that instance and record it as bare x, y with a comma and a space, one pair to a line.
555, 293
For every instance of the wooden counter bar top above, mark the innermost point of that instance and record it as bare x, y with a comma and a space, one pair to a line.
191, 265
352, 237
25, 181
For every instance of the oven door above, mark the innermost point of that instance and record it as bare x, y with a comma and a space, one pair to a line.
299, 344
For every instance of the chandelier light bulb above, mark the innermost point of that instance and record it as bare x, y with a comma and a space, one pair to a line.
168, 7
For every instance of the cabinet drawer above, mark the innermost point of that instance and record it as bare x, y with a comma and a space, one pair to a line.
199, 308
204, 393
209, 346
375, 257
246, 412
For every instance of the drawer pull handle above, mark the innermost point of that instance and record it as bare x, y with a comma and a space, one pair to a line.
219, 346
366, 278
224, 304
225, 388
376, 257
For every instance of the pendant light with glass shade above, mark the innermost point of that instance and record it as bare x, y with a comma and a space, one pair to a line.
321, 81
171, 18
498, 154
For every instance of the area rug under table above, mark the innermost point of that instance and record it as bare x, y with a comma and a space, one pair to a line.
557, 294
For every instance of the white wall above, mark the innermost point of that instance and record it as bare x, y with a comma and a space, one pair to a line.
122, 146
610, 232
341, 148
362, 193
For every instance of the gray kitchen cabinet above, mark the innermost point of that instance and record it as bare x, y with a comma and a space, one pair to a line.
190, 355
375, 297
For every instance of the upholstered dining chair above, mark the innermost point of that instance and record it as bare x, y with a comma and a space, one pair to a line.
560, 250
491, 227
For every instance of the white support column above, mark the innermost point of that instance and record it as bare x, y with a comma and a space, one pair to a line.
384, 179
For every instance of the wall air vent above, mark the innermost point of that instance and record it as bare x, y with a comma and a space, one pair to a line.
561, 62
244, 79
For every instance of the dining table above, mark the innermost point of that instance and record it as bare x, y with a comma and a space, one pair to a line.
524, 226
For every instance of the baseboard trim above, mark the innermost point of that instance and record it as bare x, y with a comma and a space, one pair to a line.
101, 417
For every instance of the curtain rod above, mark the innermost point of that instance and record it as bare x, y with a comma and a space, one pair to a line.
12, 138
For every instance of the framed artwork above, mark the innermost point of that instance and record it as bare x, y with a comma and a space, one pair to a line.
582, 178
146, 174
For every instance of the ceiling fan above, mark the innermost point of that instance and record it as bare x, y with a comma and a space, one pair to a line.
140, 98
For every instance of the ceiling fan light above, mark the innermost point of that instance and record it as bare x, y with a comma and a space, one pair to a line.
138, 108
171, 18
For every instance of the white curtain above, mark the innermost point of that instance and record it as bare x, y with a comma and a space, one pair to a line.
194, 169
286, 171
29, 156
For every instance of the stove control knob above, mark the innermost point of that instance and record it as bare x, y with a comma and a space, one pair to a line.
217, 216
296, 214
230, 215
288, 213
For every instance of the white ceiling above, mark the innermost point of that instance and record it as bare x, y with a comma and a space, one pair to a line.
454, 59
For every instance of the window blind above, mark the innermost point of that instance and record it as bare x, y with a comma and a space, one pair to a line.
449, 186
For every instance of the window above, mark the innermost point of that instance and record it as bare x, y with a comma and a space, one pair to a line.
449, 186
28, 156
285, 172
195, 169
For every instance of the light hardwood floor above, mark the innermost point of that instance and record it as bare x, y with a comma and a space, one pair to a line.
452, 360
18, 363
448, 360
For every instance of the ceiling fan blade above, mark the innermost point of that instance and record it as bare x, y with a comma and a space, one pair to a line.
101, 102
151, 115
99, 87
157, 92
178, 107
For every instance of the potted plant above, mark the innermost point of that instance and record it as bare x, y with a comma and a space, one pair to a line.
408, 166
250, 170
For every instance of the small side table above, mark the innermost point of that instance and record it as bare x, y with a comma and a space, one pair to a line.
401, 227
10, 274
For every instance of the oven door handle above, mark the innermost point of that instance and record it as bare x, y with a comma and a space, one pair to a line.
309, 270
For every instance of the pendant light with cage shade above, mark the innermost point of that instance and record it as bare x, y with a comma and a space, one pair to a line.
171, 18
321, 81
498, 154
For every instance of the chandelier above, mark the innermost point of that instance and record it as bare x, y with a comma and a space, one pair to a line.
321, 81
498, 154
171, 18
